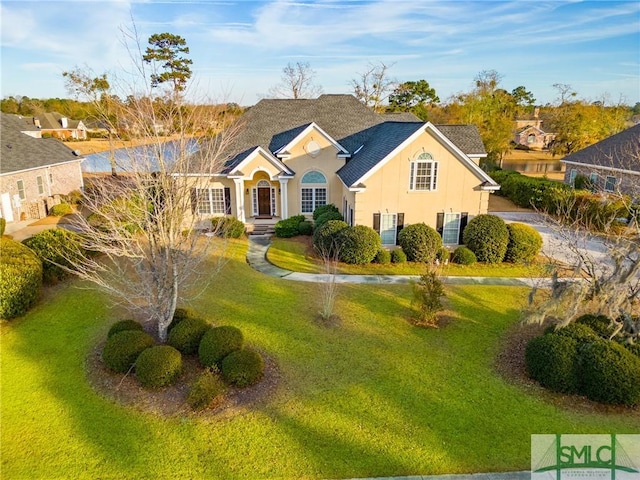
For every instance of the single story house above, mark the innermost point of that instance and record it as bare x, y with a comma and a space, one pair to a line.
292, 156
34, 171
611, 165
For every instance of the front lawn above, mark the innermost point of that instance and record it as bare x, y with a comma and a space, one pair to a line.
296, 254
370, 396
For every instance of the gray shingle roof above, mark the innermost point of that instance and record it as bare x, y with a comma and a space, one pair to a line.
465, 137
53, 121
19, 151
618, 151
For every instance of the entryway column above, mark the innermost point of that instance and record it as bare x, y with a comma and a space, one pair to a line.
284, 198
239, 199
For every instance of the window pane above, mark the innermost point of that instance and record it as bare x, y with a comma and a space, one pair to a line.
40, 185
20, 184
217, 200
451, 228
610, 184
388, 223
313, 177
423, 175
204, 204
306, 200
321, 197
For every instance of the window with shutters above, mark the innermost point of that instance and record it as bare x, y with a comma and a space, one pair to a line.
451, 228
423, 173
388, 228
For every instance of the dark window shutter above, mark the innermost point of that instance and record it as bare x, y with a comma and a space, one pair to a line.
227, 200
376, 222
194, 200
399, 226
464, 216
440, 223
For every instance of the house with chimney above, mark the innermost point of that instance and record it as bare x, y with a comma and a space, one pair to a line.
58, 126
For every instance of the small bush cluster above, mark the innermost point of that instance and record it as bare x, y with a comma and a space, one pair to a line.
56, 248
73, 198
524, 243
443, 255
322, 209
243, 367
326, 239
121, 350
61, 210
3, 225
487, 236
217, 343
305, 228
158, 366
575, 359
398, 256
383, 257
205, 390
227, 227
20, 278
289, 227
463, 256
358, 245
181, 314
420, 242
600, 324
124, 325
327, 217
187, 334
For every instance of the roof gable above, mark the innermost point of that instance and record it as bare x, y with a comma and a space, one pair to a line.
249, 155
301, 133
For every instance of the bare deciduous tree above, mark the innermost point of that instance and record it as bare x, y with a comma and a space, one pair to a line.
373, 86
298, 81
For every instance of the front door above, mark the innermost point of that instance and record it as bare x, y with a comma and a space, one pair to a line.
264, 201
7, 212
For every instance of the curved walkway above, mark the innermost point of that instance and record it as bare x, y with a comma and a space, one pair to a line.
257, 258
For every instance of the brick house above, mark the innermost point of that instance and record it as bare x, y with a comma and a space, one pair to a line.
34, 171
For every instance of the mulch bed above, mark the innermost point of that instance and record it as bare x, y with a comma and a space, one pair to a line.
172, 401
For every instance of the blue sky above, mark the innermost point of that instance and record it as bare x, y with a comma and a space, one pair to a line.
239, 47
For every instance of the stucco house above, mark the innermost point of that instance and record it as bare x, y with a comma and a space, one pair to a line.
295, 155
611, 165
34, 171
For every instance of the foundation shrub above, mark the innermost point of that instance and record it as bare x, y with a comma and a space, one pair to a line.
158, 366
443, 255
420, 242
463, 256
551, 360
186, 335
398, 256
61, 210
289, 227
326, 217
121, 350
227, 227
524, 243
305, 228
3, 225
20, 278
124, 325
242, 368
326, 239
383, 257
358, 245
487, 236
322, 209
205, 389
217, 343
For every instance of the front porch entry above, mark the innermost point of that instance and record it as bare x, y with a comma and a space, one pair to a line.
264, 201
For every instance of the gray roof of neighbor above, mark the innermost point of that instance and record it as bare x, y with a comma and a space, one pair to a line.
621, 151
53, 121
20, 151
272, 124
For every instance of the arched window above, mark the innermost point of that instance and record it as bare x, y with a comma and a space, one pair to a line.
423, 173
531, 138
313, 191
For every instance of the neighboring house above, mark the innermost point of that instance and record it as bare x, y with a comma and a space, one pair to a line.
34, 172
59, 126
295, 155
529, 133
611, 165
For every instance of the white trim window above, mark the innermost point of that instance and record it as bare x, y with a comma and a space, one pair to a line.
20, 186
610, 184
423, 174
451, 228
388, 228
40, 182
313, 193
572, 176
210, 201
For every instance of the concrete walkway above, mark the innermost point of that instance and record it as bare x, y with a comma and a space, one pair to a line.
524, 475
257, 258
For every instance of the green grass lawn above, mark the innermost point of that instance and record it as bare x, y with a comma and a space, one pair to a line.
372, 396
295, 254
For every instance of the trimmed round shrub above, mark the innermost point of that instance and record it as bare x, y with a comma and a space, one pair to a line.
207, 387
443, 254
305, 228
186, 335
580, 333
121, 350
217, 343
359, 245
227, 227
124, 325
398, 256
420, 242
158, 366
242, 367
463, 256
289, 227
3, 225
600, 324
56, 248
61, 210
322, 209
20, 278
487, 236
181, 314
383, 257
524, 243
633, 348
609, 373
326, 239
327, 217
551, 360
